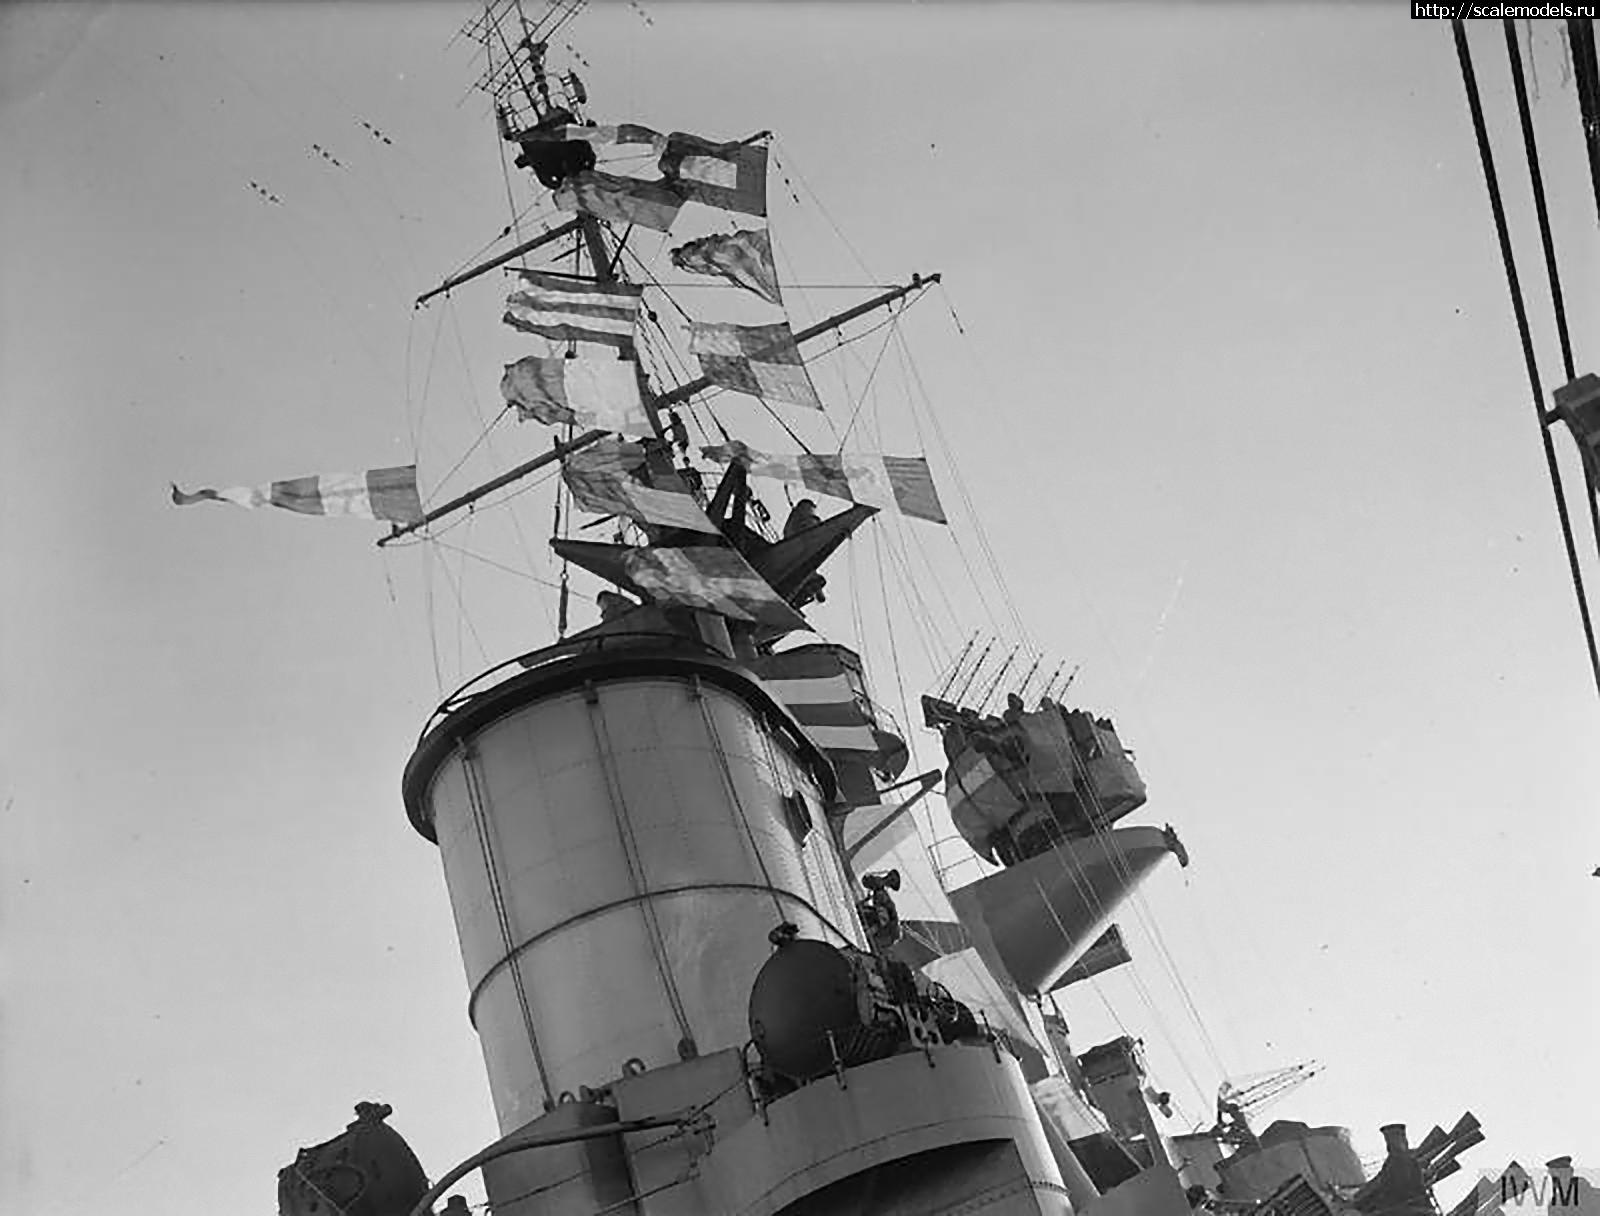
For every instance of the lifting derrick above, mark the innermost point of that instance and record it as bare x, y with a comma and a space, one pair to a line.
1239, 1098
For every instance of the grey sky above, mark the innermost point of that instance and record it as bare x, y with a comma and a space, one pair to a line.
1238, 404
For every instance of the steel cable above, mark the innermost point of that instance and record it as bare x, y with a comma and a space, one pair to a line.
1491, 182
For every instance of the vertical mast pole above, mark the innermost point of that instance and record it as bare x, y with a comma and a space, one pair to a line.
604, 272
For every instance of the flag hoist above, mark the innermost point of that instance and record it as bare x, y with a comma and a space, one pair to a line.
653, 829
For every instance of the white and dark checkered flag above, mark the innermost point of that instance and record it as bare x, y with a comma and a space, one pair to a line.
731, 176
892, 483
761, 360
716, 579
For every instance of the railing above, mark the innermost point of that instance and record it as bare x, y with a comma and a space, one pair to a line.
491, 678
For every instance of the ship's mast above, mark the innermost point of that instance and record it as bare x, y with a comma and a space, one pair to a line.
674, 396
519, 82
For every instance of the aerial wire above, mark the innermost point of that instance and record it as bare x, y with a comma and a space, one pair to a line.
1469, 81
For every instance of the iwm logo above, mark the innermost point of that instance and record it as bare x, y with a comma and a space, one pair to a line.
1559, 1191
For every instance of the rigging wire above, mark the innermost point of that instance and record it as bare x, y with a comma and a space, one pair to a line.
410, 398
483, 435
867, 387
1469, 81
966, 497
681, 371
787, 163
1140, 908
533, 578
472, 397
1076, 873
923, 619
666, 356
464, 618
476, 789
561, 526
1147, 920
1547, 241
427, 384
901, 554
633, 859
433, 533
1580, 46
517, 217
428, 558
677, 286
973, 581
988, 552
911, 876
511, 201
1140, 905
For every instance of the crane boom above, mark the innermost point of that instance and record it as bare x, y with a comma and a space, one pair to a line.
1238, 1098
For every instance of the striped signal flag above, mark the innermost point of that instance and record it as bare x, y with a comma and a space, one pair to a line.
813, 685
573, 309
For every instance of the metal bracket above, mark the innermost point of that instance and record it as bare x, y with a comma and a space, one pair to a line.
988, 1033
838, 1064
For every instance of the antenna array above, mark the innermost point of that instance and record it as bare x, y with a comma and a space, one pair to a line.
967, 674
514, 49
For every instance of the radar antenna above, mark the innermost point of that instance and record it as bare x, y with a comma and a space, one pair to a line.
514, 73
